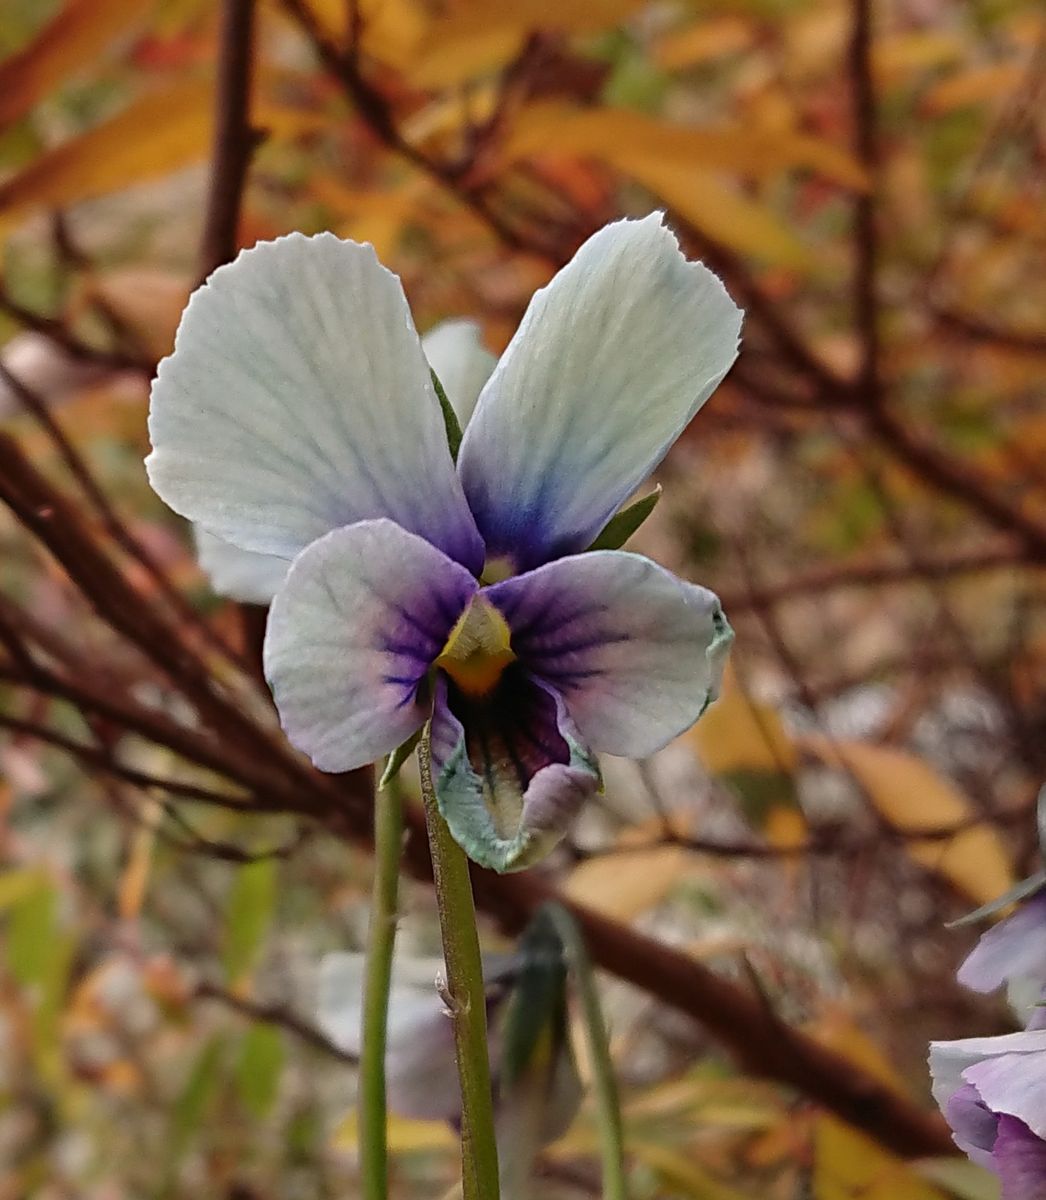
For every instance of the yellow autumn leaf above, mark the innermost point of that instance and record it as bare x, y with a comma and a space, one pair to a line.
704, 41
911, 796
75, 37
738, 733
850, 1166
901, 54
160, 132
974, 86
622, 138
405, 1135
626, 884
473, 36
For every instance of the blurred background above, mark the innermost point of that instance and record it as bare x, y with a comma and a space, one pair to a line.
866, 492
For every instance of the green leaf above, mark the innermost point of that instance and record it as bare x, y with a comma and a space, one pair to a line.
191, 1106
450, 417
30, 933
395, 761
620, 528
1020, 891
251, 905
259, 1067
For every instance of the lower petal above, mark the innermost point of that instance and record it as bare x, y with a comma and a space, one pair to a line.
510, 769
636, 653
352, 633
1019, 1159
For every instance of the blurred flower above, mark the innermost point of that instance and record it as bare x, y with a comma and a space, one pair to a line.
993, 1093
298, 417
420, 1068
1012, 953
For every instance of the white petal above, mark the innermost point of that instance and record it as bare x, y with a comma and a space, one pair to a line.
610, 363
351, 636
950, 1060
298, 400
456, 353
239, 574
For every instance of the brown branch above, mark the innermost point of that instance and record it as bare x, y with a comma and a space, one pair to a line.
866, 304
234, 138
275, 1014
873, 572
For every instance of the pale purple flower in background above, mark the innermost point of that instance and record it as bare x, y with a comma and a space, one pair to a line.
992, 1092
1013, 953
297, 418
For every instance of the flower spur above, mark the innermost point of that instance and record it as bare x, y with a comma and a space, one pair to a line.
298, 418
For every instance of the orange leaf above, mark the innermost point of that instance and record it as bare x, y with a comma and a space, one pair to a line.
75, 37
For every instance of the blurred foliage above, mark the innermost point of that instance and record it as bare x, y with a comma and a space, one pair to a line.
867, 495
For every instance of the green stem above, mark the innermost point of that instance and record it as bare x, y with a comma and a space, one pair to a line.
466, 994
381, 935
611, 1135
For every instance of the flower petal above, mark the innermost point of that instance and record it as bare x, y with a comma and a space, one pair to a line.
1015, 1083
1013, 949
1019, 1160
463, 364
298, 400
612, 360
510, 771
351, 636
974, 1125
636, 653
239, 574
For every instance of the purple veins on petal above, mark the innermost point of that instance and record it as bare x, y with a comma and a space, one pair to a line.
1019, 1159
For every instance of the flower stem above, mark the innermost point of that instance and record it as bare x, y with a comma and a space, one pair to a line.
611, 1135
467, 995
381, 935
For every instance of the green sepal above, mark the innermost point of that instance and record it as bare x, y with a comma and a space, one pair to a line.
1020, 891
450, 417
394, 763
620, 527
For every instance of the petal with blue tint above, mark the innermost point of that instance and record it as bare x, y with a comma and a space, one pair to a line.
1013, 949
509, 769
239, 574
298, 400
351, 636
611, 361
1019, 1159
636, 653
973, 1124
463, 364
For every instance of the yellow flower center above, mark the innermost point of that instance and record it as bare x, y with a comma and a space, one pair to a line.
478, 649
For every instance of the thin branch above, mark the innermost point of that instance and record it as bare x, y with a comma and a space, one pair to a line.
234, 138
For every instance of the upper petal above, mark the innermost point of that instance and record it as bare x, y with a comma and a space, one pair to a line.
610, 362
1013, 949
636, 653
298, 400
351, 635
463, 364
239, 574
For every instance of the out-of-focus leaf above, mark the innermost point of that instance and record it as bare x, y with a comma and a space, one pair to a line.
628, 883
960, 1178
707, 39
405, 1135
17, 883
974, 86
624, 138
30, 931
849, 1166
739, 733
160, 132
911, 796
258, 1068
681, 1173
75, 37
248, 916
192, 1104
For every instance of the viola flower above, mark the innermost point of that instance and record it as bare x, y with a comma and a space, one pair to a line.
455, 351
297, 417
421, 1075
992, 1092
